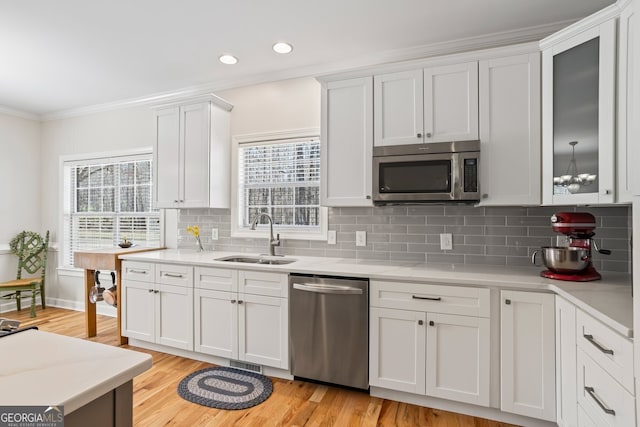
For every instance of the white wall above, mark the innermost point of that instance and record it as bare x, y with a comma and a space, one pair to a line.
96, 133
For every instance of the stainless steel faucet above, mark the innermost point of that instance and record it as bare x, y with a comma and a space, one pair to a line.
272, 242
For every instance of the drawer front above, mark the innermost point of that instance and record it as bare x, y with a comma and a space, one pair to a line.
603, 399
170, 274
609, 349
263, 283
137, 271
216, 279
452, 299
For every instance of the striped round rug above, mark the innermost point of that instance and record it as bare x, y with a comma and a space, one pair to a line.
225, 388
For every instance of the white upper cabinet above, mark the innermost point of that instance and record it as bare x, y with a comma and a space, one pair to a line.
578, 104
627, 152
347, 142
510, 129
451, 103
433, 104
399, 107
192, 154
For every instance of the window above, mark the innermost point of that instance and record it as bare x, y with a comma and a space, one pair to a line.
107, 200
281, 178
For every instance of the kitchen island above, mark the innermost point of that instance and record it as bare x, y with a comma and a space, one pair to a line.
94, 382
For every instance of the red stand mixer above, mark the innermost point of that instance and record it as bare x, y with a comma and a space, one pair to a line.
572, 263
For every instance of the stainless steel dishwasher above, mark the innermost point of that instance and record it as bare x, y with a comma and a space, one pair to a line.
329, 329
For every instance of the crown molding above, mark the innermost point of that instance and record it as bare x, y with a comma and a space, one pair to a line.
591, 21
18, 113
498, 39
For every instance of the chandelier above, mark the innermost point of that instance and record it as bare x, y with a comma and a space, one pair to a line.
573, 180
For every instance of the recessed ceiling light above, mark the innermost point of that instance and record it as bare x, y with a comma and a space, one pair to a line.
282, 47
228, 59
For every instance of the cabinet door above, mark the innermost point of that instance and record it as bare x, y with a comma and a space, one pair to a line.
578, 118
627, 152
138, 310
347, 142
451, 102
458, 363
566, 380
194, 136
397, 340
166, 158
510, 168
263, 330
398, 108
174, 316
527, 354
216, 323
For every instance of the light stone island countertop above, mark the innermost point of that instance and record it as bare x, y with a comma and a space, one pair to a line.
41, 368
608, 300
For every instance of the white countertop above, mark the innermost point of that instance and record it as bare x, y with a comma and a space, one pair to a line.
41, 368
609, 300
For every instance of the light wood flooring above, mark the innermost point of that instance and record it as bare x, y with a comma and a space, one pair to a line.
293, 403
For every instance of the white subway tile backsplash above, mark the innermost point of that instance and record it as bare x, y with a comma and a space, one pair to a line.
481, 235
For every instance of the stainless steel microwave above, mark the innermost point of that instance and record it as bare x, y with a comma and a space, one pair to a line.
422, 173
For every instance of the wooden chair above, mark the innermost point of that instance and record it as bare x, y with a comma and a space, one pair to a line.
31, 250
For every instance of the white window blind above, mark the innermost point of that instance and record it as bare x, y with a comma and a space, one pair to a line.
281, 178
107, 200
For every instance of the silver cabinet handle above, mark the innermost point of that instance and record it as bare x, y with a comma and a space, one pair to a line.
420, 322
156, 292
507, 301
419, 135
150, 290
177, 276
233, 301
432, 323
327, 289
592, 393
597, 344
485, 196
131, 270
428, 134
368, 197
240, 301
607, 192
175, 201
427, 298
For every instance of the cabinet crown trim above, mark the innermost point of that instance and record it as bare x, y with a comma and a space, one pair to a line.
209, 97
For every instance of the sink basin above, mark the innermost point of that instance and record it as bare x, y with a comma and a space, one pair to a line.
257, 260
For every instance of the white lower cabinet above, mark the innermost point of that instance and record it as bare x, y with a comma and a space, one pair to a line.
157, 312
566, 381
251, 327
429, 352
527, 354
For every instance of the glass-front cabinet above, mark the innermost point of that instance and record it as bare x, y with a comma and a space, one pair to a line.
578, 105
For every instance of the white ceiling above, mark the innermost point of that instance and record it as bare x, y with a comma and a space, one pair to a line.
68, 54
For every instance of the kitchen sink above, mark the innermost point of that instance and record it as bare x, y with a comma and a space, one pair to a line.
257, 260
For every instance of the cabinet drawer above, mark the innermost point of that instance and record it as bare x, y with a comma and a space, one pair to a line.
137, 271
603, 399
610, 350
169, 274
263, 283
215, 279
432, 298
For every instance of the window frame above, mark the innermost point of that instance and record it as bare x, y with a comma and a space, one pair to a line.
63, 197
237, 230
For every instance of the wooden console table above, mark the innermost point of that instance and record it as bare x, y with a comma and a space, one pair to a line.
103, 259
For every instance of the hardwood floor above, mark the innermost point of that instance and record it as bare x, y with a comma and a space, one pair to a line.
293, 403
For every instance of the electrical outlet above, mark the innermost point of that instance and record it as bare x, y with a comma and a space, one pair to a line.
361, 238
332, 237
446, 241
214, 234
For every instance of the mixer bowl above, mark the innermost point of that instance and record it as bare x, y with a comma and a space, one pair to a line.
564, 260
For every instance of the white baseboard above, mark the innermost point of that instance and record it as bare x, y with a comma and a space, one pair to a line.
102, 308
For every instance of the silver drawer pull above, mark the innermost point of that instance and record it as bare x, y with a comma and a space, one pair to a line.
131, 270
427, 298
177, 276
597, 345
592, 393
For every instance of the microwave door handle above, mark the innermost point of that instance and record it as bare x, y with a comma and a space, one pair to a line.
456, 177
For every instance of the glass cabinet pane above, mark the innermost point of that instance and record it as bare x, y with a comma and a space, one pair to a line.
575, 119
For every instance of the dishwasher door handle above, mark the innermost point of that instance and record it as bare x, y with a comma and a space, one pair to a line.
327, 289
